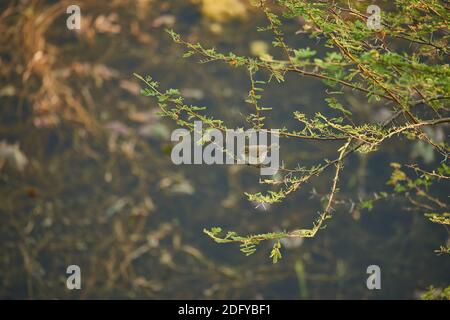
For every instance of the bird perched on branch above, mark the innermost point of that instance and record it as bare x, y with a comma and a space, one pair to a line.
257, 154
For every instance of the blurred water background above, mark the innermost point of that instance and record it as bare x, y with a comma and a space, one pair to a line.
89, 179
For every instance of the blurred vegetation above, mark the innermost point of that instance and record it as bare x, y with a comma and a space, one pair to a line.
436, 294
86, 177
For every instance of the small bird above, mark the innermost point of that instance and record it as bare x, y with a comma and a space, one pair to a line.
257, 154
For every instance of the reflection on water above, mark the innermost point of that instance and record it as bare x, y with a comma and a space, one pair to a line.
90, 181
